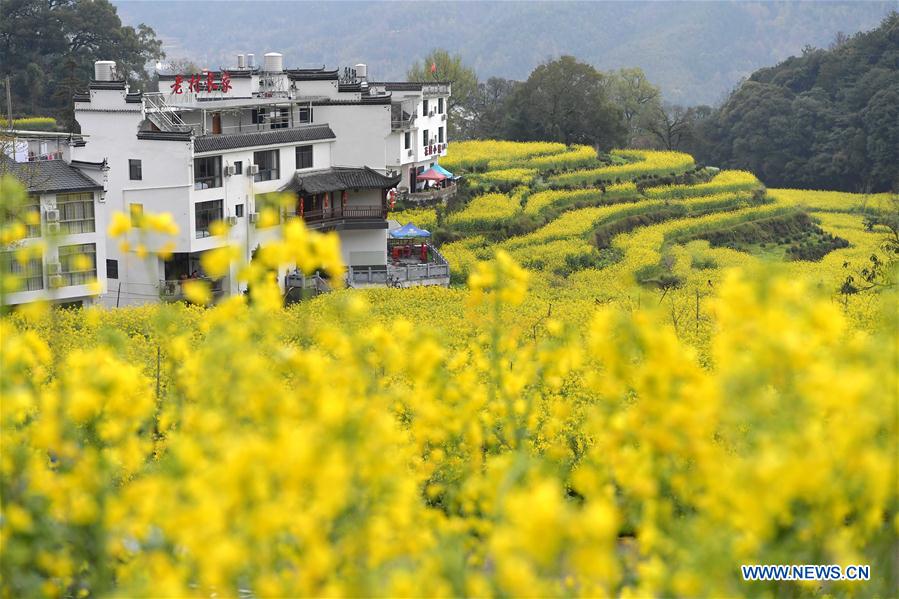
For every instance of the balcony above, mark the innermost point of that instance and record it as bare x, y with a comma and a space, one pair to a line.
173, 291
403, 272
345, 217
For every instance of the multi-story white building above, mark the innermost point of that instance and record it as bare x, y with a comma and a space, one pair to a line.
216, 145
68, 224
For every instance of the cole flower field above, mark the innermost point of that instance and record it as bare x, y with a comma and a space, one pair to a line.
642, 385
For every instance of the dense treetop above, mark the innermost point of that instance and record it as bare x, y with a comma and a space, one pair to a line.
828, 119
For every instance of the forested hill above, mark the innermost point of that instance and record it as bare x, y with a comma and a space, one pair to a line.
828, 119
695, 51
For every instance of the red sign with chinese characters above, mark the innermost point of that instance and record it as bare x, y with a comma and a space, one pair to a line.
202, 83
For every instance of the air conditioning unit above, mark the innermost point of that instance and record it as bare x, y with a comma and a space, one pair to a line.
55, 281
410, 151
229, 170
53, 268
443, 117
231, 220
53, 228
252, 169
431, 113
254, 217
52, 215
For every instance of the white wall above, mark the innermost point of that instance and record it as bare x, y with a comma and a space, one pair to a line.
364, 247
361, 132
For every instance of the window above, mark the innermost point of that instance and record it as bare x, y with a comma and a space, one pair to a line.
134, 170
407, 140
424, 137
258, 116
76, 212
304, 157
440, 135
305, 114
280, 118
207, 213
238, 210
78, 264
238, 167
137, 212
33, 217
269, 164
440, 105
112, 269
207, 172
424, 108
28, 276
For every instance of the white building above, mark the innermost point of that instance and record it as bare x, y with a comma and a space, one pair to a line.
67, 201
210, 146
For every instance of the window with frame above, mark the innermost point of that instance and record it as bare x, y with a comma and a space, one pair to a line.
304, 157
407, 140
424, 108
78, 263
238, 167
440, 135
134, 170
207, 172
112, 269
205, 214
257, 116
76, 212
29, 275
238, 210
269, 162
32, 216
440, 105
305, 114
424, 137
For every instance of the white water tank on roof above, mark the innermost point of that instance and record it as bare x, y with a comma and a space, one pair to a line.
274, 62
251, 61
104, 70
241, 62
361, 71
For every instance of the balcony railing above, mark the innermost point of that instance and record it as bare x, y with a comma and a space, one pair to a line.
434, 195
434, 272
173, 290
336, 213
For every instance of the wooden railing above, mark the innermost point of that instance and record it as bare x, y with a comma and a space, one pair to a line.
339, 212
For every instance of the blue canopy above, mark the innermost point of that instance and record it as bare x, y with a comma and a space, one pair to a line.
443, 171
409, 231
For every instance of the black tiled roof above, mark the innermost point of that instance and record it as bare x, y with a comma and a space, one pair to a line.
95, 84
405, 85
165, 135
51, 176
339, 178
218, 143
386, 99
311, 74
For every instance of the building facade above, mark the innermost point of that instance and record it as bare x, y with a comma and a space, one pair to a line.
66, 236
223, 145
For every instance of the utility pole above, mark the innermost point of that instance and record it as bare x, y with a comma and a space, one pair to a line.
8, 104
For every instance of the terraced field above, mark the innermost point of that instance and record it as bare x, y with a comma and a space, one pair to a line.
641, 227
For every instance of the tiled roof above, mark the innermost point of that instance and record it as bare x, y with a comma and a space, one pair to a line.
218, 143
51, 176
339, 178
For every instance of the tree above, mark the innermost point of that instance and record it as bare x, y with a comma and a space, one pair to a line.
46, 45
486, 115
637, 98
439, 65
670, 125
566, 101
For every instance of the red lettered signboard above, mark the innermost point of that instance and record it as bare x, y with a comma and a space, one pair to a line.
202, 83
